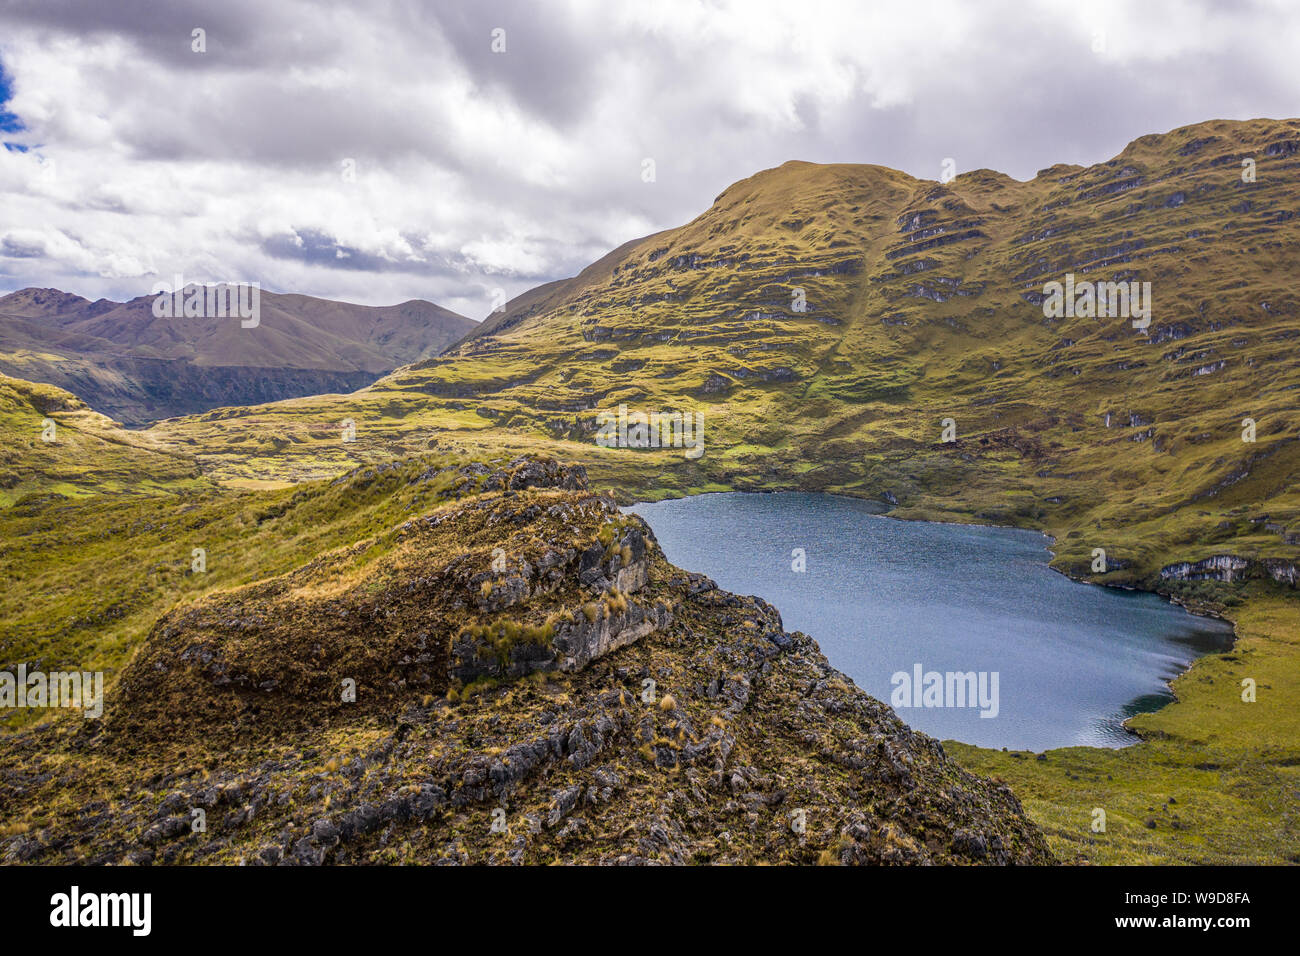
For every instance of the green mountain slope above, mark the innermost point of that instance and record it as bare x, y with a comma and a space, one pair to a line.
55, 446
922, 303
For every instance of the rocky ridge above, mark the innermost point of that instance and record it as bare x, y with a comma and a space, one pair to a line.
533, 682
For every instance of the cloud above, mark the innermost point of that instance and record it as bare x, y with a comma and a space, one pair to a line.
381, 150
22, 244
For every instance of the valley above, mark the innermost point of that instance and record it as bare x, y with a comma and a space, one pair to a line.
139, 364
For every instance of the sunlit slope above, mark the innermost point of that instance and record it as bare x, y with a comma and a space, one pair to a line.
52, 444
921, 302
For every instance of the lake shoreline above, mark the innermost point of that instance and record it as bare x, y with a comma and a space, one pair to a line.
1114, 729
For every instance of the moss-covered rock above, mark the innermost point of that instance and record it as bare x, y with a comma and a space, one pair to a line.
676, 723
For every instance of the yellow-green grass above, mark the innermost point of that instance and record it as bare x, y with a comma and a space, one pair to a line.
52, 444
85, 579
1232, 768
849, 396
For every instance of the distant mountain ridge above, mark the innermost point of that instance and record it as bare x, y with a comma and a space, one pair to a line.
127, 362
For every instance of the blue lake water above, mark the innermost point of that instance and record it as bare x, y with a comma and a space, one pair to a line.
885, 597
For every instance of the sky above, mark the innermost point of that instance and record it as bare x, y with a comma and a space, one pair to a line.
382, 150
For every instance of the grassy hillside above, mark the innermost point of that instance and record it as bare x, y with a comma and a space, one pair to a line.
54, 446
86, 577
923, 302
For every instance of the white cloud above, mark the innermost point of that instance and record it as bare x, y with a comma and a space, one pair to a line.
477, 170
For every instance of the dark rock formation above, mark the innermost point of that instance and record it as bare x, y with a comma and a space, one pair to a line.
533, 682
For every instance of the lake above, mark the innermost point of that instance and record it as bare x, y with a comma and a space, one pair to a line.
964, 629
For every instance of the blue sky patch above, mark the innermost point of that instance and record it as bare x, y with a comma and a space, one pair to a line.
9, 123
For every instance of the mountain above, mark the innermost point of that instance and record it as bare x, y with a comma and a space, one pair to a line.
921, 302
126, 361
501, 712
927, 316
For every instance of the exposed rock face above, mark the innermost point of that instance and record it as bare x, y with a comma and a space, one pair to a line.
585, 633
581, 643
533, 683
1280, 570
1229, 568
1220, 567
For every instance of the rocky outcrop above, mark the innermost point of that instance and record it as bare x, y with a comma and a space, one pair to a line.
1220, 567
533, 682
1230, 568
523, 570
606, 573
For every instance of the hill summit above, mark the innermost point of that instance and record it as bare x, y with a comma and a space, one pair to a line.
850, 328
